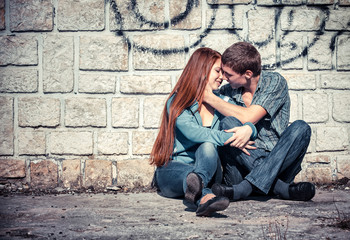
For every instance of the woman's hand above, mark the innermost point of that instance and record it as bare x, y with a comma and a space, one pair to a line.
240, 138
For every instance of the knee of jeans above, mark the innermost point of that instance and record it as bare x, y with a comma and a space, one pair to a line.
208, 150
229, 122
301, 128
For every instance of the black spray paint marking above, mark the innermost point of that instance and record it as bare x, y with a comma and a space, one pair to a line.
194, 3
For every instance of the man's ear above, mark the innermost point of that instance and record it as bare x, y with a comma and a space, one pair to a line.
248, 74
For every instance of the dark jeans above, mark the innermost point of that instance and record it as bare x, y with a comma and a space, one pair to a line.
171, 178
262, 168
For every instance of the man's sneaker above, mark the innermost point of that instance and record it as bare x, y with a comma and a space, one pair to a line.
303, 191
222, 190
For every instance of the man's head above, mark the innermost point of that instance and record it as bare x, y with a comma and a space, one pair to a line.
242, 56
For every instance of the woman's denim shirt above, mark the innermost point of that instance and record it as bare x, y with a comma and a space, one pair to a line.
190, 133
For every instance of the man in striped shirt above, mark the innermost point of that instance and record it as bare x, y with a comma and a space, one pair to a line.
261, 98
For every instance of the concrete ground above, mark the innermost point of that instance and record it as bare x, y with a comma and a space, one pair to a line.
147, 215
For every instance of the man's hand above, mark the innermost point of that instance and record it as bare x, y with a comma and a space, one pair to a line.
240, 138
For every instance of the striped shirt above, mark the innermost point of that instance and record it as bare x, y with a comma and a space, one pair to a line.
272, 94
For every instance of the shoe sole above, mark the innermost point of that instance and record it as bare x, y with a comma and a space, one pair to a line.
216, 206
194, 188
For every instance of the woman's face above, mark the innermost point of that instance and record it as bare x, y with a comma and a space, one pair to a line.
215, 76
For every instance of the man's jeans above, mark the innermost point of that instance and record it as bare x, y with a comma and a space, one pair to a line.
171, 178
262, 168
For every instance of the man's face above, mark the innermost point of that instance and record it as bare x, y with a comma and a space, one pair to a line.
235, 79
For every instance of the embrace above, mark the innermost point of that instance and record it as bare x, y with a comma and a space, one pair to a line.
221, 144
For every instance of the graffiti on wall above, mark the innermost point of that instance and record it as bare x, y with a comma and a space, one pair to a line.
142, 20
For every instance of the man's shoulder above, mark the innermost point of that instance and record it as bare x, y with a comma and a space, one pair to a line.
272, 76
273, 79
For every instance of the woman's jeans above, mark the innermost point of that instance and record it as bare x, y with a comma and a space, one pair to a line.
262, 168
171, 178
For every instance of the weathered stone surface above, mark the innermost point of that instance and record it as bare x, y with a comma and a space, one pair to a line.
268, 55
58, 63
319, 173
317, 159
142, 142
338, 20
152, 109
219, 42
145, 84
332, 138
125, 112
300, 81
319, 52
291, 51
335, 81
18, 50
31, 15
98, 173
268, 2
18, 80
38, 112
148, 52
71, 174
103, 53
343, 53
2, 15
31, 143
315, 107
322, 2
113, 143
293, 19
12, 168
84, 112
75, 143
228, 1
261, 30
80, 15
343, 166
292, 2
96, 83
6, 126
43, 174
137, 15
182, 18
225, 18
261, 25
341, 107
344, 2
134, 173
294, 107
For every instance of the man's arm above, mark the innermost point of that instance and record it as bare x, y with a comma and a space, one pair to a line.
252, 114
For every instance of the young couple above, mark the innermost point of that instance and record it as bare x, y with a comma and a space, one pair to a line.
240, 128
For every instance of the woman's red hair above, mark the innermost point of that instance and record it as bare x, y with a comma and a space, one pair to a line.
189, 88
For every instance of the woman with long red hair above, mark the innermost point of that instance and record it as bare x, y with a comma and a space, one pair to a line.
185, 150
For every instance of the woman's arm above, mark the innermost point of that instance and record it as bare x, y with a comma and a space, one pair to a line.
191, 130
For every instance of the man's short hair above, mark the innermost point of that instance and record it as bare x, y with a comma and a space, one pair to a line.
242, 56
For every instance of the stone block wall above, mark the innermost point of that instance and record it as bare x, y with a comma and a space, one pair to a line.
83, 83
